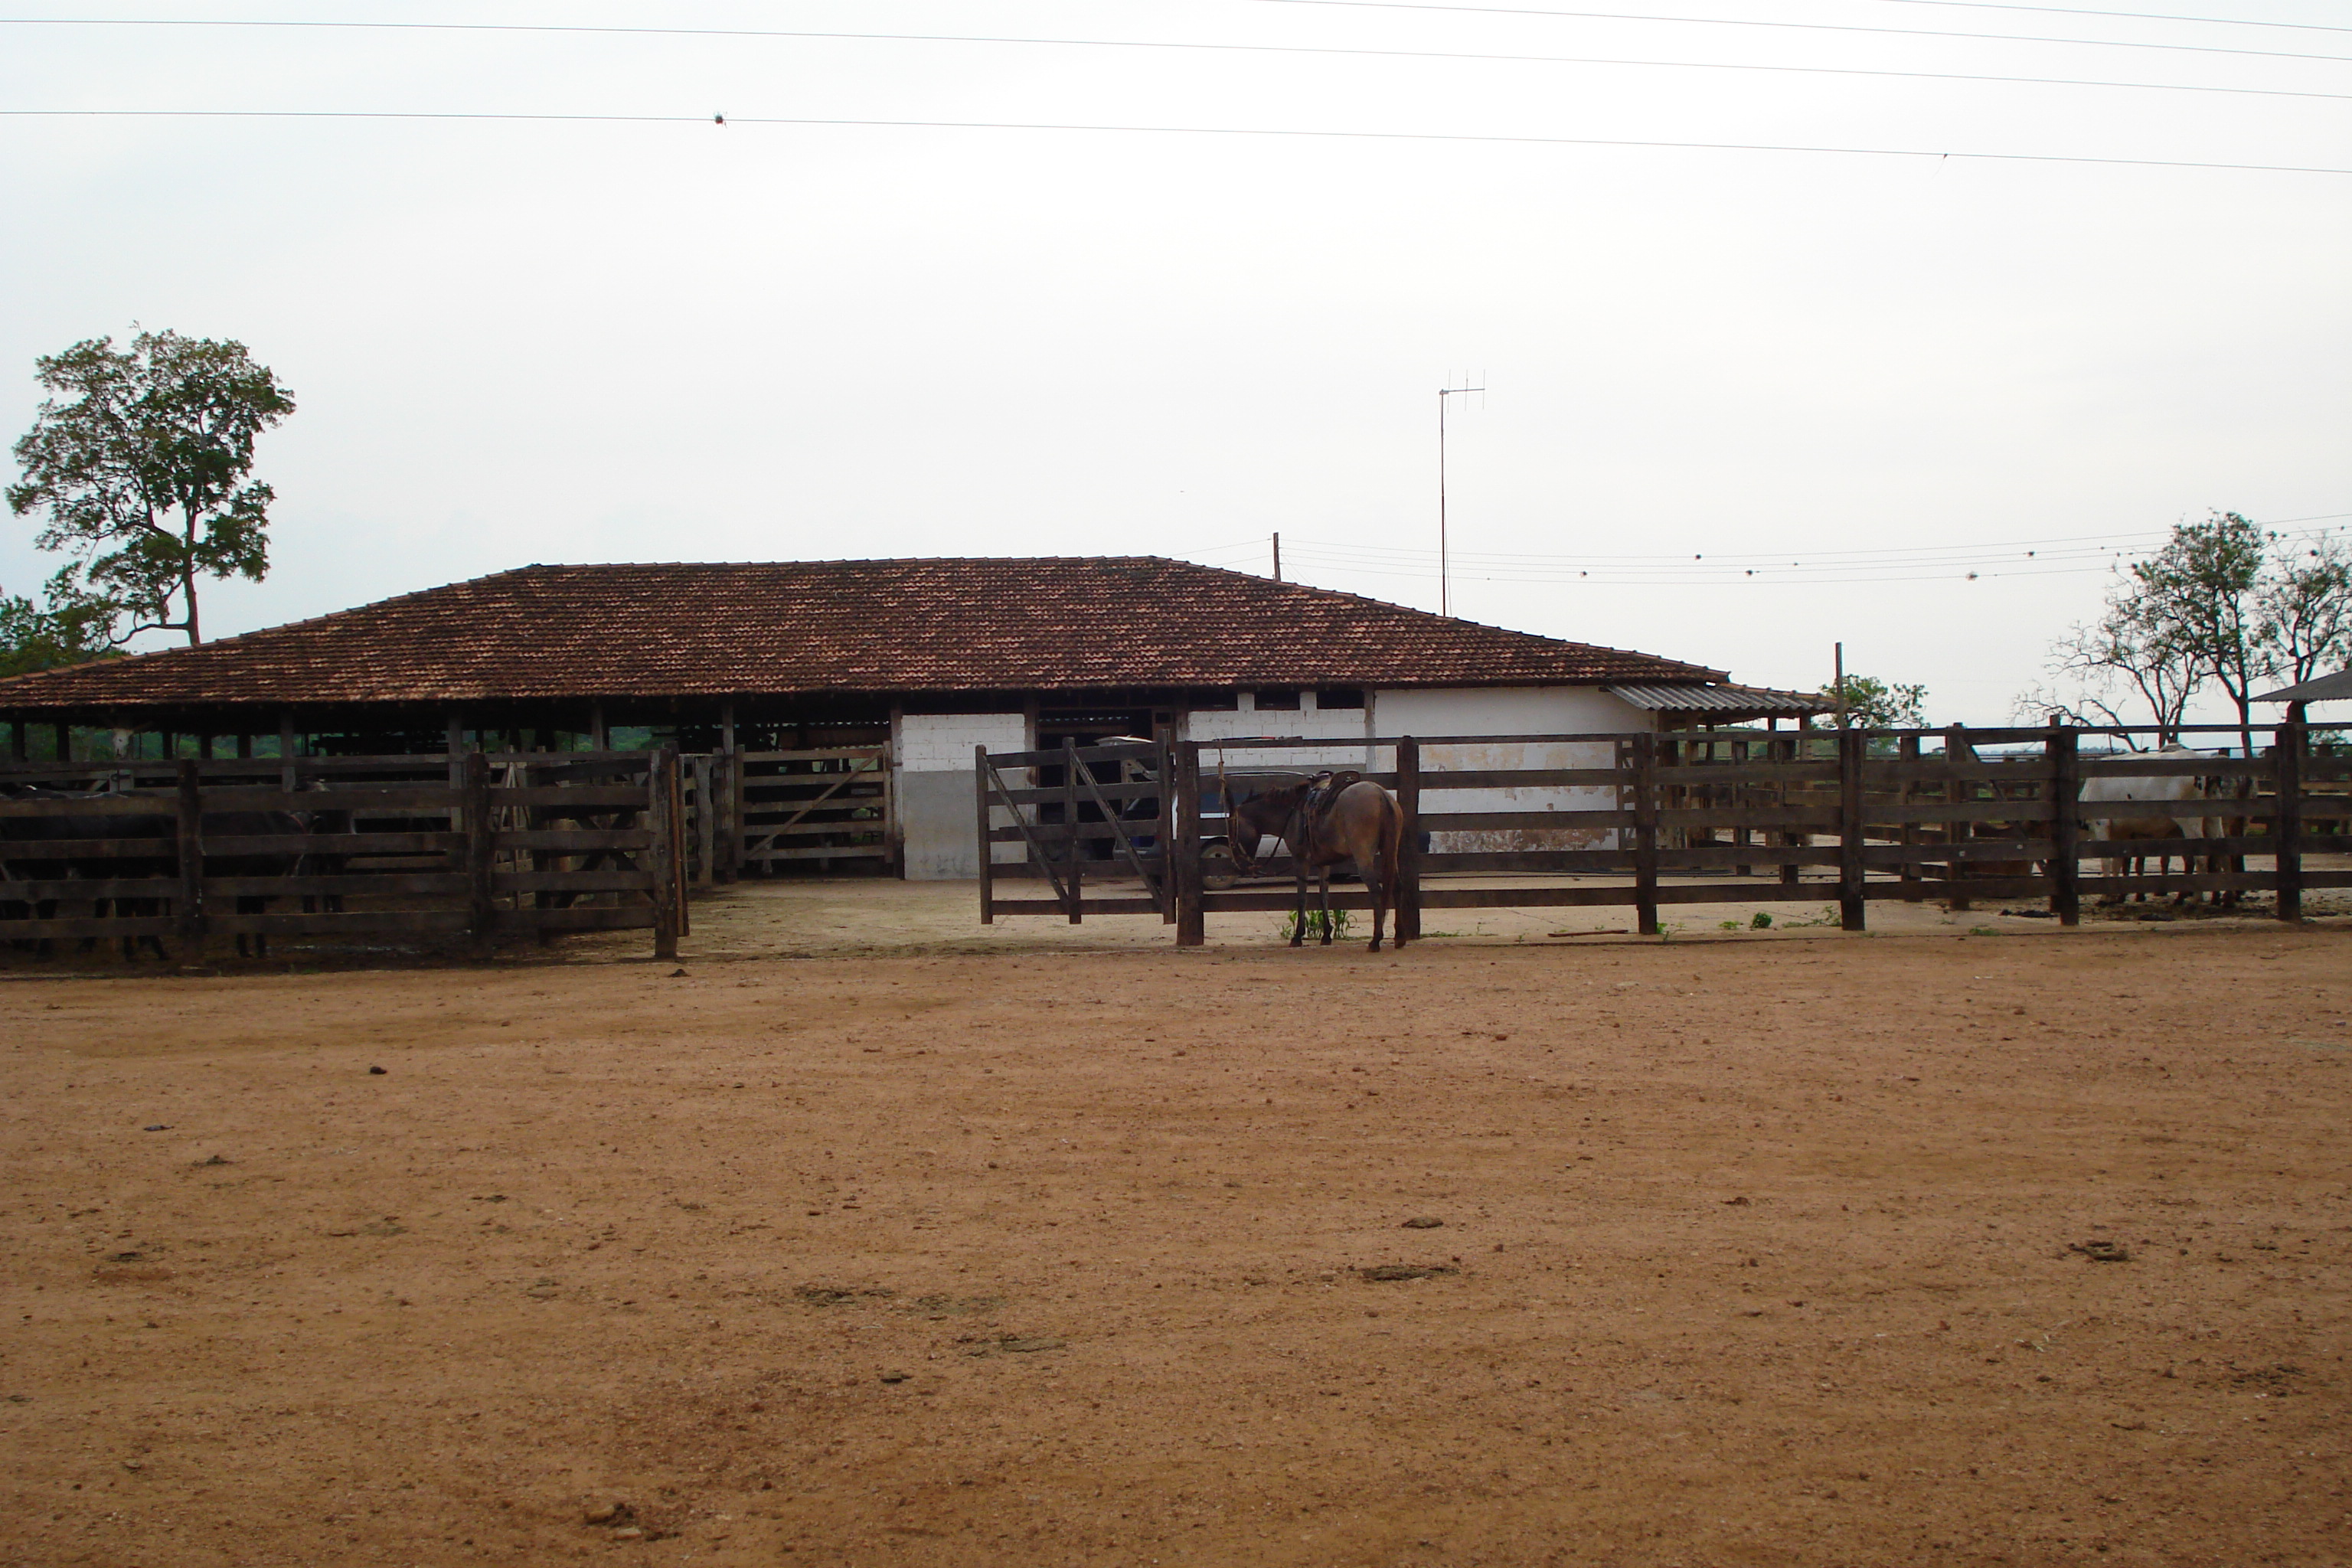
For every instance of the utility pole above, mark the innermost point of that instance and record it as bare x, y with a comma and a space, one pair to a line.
1444, 585
1837, 658
1277, 555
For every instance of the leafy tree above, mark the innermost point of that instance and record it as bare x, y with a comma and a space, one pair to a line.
1875, 704
2303, 610
2224, 602
34, 637
139, 467
2200, 593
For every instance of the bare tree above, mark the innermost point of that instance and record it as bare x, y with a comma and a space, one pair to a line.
2104, 671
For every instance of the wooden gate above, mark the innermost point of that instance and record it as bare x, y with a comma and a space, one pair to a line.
480, 846
821, 807
1095, 812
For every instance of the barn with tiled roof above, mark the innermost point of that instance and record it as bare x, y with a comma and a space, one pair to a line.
927, 657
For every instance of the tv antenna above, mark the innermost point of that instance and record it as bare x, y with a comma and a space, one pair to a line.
1444, 586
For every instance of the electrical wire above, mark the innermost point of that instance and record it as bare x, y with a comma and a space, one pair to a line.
1465, 138
2065, 542
1311, 49
2073, 555
2127, 15
1804, 27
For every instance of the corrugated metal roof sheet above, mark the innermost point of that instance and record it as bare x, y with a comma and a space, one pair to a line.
1721, 698
2334, 687
990, 624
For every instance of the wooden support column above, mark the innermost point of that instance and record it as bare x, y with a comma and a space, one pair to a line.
1646, 833
244, 745
983, 827
1850, 904
2286, 822
64, 743
2065, 824
286, 749
1184, 847
189, 916
20, 750
482, 851
1407, 894
599, 737
1070, 827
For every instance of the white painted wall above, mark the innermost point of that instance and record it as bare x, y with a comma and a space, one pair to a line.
935, 790
1347, 726
942, 743
1429, 713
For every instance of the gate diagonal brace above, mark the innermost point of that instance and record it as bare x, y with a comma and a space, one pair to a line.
1037, 850
1126, 844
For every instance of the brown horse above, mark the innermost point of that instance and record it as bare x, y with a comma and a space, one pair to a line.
1357, 821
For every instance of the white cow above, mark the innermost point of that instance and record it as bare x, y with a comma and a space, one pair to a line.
2111, 789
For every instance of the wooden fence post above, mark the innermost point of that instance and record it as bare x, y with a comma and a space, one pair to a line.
706, 819
677, 840
482, 851
1851, 747
1406, 895
661, 851
987, 850
723, 840
1070, 827
1184, 848
1646, 833
1788, 750
190, 934
1955, 789
1906, 752
1163, 828
2065, 826
2286, 822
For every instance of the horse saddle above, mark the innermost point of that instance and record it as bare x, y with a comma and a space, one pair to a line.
1323, 789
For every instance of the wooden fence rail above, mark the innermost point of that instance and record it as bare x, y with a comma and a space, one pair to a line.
1665, 824
526, 845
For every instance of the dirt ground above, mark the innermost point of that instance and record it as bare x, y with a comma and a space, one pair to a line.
1887, 1249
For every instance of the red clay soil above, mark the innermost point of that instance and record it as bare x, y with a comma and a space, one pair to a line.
1873, 1250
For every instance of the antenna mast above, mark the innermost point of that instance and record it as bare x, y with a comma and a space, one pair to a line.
1444, 585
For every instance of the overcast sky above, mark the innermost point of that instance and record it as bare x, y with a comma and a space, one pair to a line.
613, 340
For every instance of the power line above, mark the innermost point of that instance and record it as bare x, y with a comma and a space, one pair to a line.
2073, 555
1465, 138
2128, 15
1308, 49
1891, 555
1806, 26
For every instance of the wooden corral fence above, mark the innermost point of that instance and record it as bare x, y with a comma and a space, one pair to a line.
1668, 818
483, 846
